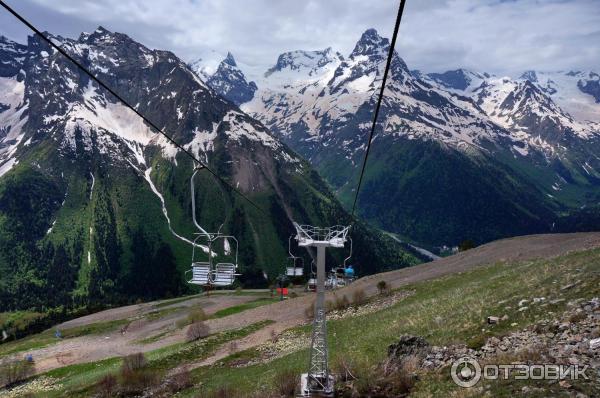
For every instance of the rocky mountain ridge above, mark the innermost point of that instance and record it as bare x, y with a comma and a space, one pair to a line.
320, 103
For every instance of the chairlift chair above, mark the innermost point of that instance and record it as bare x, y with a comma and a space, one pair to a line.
204, 273
311, 286
224, 273
295, 269
200, 269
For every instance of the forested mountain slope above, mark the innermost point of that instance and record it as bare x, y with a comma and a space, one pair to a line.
95, 205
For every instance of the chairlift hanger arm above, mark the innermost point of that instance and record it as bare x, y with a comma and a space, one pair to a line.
202, 230
290, 246
350, 255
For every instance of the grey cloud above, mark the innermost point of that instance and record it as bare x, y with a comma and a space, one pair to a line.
489, 35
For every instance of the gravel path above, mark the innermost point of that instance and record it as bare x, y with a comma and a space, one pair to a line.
118, 343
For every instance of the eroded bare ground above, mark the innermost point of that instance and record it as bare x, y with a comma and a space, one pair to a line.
291, 312
127, 339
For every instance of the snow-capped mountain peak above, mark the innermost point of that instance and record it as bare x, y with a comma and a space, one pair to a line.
230, 60
530, 75
321, 99
459, 79
303, 65
83, 119
371, 44
590, 84
229, 82
292, 101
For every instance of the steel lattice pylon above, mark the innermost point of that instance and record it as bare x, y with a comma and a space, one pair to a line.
318, 381
319, 370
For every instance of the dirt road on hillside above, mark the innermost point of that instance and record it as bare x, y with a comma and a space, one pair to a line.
291, 312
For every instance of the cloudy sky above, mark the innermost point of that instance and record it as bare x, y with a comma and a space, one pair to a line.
498, 36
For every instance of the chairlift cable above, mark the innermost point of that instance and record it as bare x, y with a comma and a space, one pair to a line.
125, 102
385, 75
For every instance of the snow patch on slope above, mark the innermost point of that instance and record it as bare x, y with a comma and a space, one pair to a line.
92, 188
239, 127
113, 117
562, 87
12, 120
166, 213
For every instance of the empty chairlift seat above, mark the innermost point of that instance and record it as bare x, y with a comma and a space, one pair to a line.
295, 265
295, 271
224, 274
200, 273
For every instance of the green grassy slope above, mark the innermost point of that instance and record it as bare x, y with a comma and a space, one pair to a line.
447, 310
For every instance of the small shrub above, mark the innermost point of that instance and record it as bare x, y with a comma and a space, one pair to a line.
293, 295
341, 303
397, 384
366, 378
223, 392
107, 386
383, 288
338, 303
476, 342
133, 362
466, 244
180, 381
359, 297
309, 312
133, 383
343, 368
196, 331
329, 306
135, 378
196, 315
13, 372
577, 317
286, 382
385, 380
